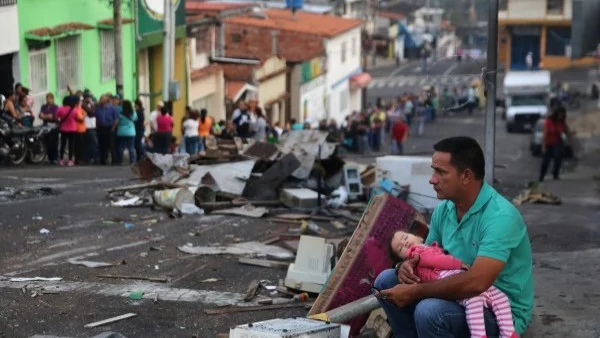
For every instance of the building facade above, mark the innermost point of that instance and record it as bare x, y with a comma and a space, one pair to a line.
150, 38
9, 49
542, 27
309, 97
72, 44
299, 38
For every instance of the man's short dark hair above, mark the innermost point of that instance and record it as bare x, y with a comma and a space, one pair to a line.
465, 153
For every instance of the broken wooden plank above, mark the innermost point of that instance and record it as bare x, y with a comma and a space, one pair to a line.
263, 262
252, 291
150, 279
109, 320
338, 225
144, 186
253, 308
271, 240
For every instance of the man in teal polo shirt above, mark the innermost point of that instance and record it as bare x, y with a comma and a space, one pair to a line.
480, 227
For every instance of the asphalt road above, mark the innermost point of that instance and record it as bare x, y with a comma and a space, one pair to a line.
392, 81
81, 224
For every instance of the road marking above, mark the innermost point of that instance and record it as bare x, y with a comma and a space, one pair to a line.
451, 69
165, 293
398, 70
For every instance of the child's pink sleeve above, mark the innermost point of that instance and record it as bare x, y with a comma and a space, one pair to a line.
434, 259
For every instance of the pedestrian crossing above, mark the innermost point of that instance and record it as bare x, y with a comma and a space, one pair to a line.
418, 81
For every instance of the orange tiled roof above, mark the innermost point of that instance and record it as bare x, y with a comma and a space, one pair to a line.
212, 7
233, 87
391, 15
202, 72
60, 29
303, 22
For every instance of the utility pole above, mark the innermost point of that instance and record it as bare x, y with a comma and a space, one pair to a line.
167, 61
490, 84
118, 27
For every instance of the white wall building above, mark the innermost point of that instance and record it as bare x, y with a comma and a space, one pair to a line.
9, 48
343, 67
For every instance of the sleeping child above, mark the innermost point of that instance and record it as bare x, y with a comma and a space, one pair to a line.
434, 263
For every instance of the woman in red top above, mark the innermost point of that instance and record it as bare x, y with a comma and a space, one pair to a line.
164, 132
555, 128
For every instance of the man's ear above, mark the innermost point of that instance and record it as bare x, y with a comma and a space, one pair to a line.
467, 176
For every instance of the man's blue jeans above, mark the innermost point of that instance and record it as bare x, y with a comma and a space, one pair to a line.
430, 317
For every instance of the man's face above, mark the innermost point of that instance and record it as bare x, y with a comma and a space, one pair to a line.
446, 179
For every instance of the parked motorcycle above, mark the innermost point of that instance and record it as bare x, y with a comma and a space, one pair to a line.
22, 143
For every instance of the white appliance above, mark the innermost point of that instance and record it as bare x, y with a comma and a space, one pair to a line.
414, 171
312, 266
290, 328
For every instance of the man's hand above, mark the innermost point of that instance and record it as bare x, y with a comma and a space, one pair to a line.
400, 295
406, 272
465, 266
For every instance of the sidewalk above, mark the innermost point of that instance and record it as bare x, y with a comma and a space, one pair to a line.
566, 245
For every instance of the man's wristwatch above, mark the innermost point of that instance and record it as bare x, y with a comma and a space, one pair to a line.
397, 267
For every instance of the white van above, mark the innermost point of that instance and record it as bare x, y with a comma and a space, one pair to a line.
527, 94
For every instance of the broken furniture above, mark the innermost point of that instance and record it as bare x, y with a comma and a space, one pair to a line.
365, 256
312, 266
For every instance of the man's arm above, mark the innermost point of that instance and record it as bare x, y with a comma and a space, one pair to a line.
463, 285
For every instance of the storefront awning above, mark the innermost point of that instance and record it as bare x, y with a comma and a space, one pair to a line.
360, 80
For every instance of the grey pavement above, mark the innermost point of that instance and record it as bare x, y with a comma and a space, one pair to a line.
566, 240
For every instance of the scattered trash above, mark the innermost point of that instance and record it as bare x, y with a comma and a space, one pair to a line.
311, 227
246, 210
35, 279
210, 280
89, 264
128, 226
536, 196
173, 198
37, 218
191, 209
136, 295
338, 198
247, 248
8, 194
109, 320
150, 279
44, 231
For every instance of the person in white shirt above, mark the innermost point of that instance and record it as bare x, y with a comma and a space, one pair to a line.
190, 133
152, 118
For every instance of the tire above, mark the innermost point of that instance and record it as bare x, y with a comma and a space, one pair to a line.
509, 128
37, 153
17, 159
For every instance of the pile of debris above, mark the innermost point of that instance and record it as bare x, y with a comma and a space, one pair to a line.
302, 171
300, 183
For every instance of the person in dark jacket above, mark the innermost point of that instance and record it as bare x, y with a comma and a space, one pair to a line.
140, 129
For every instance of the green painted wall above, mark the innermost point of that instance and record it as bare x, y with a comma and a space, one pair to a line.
35, 14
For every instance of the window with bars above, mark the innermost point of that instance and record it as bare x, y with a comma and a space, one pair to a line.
343, 52
7, 2
68, 63
38, 76
354, 46
107, 48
